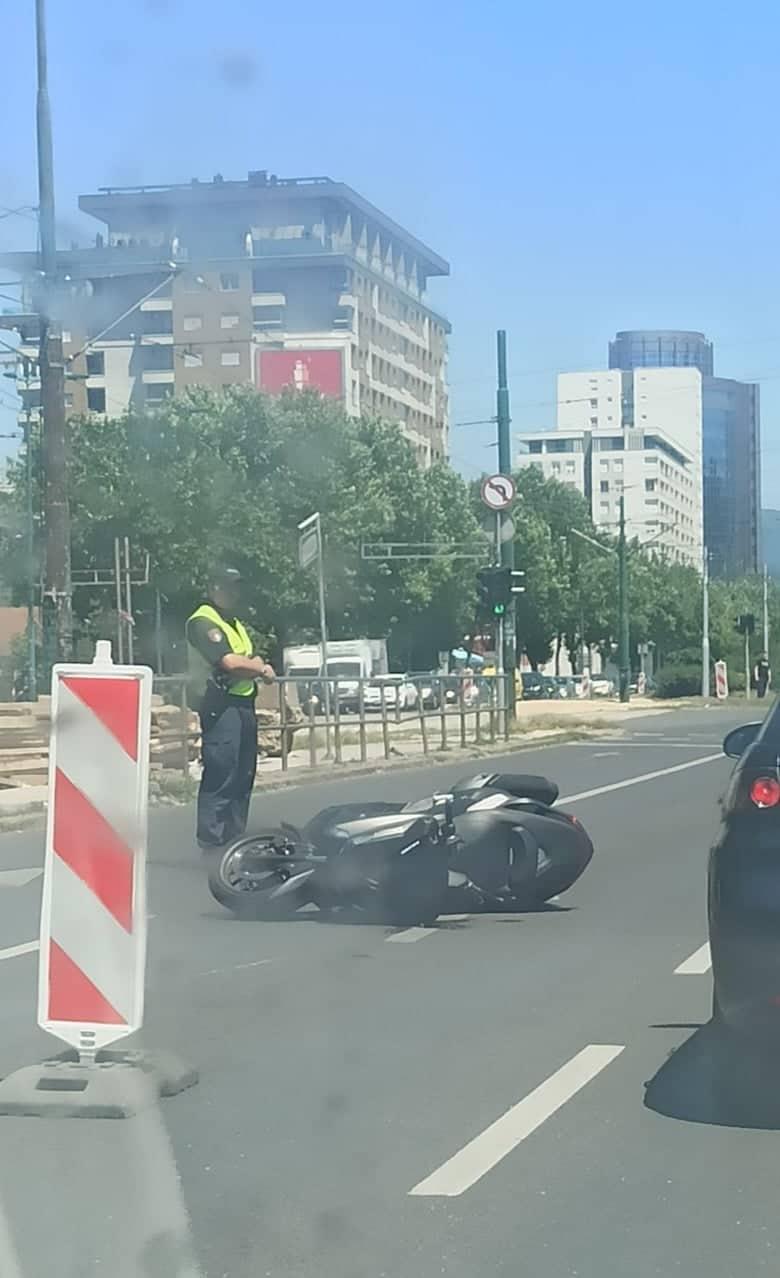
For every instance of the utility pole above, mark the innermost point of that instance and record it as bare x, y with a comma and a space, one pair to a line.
766, 612
624, 657
507, 547
57, 590
705, 626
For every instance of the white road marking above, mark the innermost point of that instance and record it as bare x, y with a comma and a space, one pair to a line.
644, 776
606, 754
410, 934
19, 878
236, 967
650, 745
482, 1153
14, 951
698, 963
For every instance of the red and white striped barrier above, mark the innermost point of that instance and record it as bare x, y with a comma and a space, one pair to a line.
93, 917
721, 680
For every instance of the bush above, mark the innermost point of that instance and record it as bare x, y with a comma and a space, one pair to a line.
678, 681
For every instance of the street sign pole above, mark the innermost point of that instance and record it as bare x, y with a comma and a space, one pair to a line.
309, 549
507, 552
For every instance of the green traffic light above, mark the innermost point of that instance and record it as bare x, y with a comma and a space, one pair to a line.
499, 609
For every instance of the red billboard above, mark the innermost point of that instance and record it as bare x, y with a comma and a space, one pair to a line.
308, 369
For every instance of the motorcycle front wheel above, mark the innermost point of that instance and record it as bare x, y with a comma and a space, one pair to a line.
244, 878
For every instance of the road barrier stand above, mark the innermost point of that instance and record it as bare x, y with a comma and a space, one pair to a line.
93, 914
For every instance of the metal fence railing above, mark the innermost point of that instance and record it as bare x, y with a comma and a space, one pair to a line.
365, 718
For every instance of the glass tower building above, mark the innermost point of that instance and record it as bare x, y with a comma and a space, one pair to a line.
731, 438
661, 348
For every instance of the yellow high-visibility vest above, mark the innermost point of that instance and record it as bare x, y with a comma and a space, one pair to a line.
240, 643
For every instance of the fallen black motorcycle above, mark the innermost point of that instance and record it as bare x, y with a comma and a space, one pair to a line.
494, 842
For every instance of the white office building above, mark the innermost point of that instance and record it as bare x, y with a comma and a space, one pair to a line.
636, 435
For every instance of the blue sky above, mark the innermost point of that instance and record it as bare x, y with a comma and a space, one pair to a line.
584, 169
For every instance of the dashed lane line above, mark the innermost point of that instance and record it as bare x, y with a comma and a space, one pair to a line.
697, 964
411, 934
492, 1145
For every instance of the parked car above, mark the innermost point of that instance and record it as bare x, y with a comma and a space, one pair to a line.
429, 689
397, 691
534, 687
601, 686
744, 888
561, 687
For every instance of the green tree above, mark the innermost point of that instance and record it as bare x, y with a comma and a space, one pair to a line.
228, 476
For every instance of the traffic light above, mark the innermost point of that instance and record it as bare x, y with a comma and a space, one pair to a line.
745, 623
495, 587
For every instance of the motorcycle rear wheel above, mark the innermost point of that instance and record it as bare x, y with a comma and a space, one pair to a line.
244, 899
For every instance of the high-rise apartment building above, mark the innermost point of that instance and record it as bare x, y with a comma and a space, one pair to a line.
730, 443
635, 436
273, 282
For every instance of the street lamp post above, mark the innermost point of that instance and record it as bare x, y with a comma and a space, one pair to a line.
624, 656
705, 626
32, 663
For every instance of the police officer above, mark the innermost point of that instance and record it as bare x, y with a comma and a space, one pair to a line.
223, 671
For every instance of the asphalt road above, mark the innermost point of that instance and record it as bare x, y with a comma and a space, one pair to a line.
464, 1100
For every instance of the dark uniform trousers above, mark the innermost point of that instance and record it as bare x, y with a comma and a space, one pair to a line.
229, 748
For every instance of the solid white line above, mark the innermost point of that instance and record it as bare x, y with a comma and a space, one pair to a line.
606, 754
482, 1153
698, 963
14, 951
644, 776
412, 934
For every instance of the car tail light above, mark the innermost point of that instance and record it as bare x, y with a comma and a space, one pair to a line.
765, 792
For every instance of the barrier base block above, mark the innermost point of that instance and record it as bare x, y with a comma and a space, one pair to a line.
118, 1084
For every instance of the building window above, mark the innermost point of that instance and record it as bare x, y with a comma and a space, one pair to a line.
68, 400
594, 421
594, 403
66, 336
96, 399
556, 468
264, 317
604, 465
158, 358
96, 364
158, 391
535, 446
229, 321
193, 359
191, 323
618, 464
228, 281
570, 468
156, 322
230, 359
604, 507
604, 486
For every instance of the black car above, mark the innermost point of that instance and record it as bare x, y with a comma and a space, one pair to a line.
744, 887
534, 686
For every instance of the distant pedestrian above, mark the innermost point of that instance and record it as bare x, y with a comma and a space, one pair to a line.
762, 675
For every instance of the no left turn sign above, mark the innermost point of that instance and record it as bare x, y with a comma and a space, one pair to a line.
498, 492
